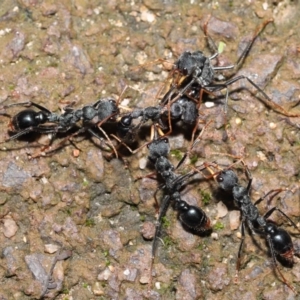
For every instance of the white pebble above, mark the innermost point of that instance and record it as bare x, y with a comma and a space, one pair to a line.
215, 236
209, 104
51, 248
272, 125
142, 163
126, 272
147, 16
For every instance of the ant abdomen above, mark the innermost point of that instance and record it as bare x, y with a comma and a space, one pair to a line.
192, 217
27, 118
281, 242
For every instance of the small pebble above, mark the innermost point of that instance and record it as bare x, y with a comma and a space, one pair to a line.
209, 104
143, 163
272, 125
10, 227
97, 290
215, 236
148, 230
222, 210
104, 275
147, 16
238, 121
144, 279
76, 152
234, 219
51, 248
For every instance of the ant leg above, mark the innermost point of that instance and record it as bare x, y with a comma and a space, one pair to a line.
210, 42
238, 262
266, 100
187, 153
162, 212
121, 143
151, 175
27, 104
109, 142
275, 191
41, 130
275, 263
249, 175
269, 213
242, 57
246, 51
168, 105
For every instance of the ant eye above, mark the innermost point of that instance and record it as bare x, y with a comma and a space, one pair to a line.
220, 178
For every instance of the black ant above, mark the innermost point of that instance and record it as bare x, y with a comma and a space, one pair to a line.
195, 72
44, 121
278, 239
191, 217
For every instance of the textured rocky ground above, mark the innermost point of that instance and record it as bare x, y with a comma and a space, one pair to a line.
86, 218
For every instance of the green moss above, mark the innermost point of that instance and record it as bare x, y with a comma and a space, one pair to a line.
194, 159
142, 218
177, 154
85, 285
106, 255
218, 226
165, 222
167, 242
90, 222
66, 291
221, 47
11, 87
201, 246
85, 182
206, 197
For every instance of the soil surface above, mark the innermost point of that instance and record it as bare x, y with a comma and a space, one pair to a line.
74, 225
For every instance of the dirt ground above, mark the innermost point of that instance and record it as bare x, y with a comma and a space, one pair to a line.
85, 219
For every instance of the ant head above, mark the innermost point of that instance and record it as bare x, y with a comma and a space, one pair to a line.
106, 108
176, 110
227, 180
158, 148
113, 106
189, 61
126, 120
